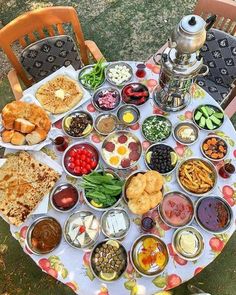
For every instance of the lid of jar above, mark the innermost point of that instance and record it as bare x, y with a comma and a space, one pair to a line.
192, 24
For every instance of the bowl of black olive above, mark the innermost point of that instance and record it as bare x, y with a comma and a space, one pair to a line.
161, 157
108, 260
77, 124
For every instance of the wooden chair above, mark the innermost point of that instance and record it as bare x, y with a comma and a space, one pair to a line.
225, 11
36, 25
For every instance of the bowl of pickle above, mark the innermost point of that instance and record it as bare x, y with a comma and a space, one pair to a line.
108, 260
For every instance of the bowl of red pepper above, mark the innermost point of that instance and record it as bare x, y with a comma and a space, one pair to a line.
135, 93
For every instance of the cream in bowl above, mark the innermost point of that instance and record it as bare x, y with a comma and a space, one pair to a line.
188, 243
186, 133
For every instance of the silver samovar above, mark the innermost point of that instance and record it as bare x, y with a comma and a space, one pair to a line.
181, 63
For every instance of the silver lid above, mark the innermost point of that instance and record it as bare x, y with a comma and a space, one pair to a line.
192, 24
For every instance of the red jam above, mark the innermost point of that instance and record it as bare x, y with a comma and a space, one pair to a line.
66, 198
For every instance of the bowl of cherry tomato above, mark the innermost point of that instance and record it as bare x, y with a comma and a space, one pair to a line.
80, 159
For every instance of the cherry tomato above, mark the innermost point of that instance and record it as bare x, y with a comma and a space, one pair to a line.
90, 155
83, 157
77, 162
88, 161
72, 153
88, 167
93, 164
84, 171
72, 160
77, 170
71, 165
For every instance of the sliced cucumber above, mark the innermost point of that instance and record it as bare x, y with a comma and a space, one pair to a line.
215, 120
209, 124
204, 111
210, 111
219, 115
202, 122
198, 116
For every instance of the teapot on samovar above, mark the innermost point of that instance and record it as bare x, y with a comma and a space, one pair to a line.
181, 63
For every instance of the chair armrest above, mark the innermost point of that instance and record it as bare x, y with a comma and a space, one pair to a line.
94, 50
15, 84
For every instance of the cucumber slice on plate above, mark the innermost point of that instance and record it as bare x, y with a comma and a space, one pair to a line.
202, 122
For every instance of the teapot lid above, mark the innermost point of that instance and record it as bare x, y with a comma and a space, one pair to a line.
192, 24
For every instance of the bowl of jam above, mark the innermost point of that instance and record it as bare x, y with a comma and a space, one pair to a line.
43, 235
64, 197
213, 214
176, 209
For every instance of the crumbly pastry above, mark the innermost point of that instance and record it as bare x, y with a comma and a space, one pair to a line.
59, 95
144, 192
24, 182
24, 123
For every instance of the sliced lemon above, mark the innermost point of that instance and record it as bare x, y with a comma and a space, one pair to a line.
87, 129
108, 276
68, 122
148, 157
109, 174
113, 243
93, 203
174, 158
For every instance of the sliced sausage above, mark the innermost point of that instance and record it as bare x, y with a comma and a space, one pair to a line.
125, 163
134, 155
122, 138
109, 146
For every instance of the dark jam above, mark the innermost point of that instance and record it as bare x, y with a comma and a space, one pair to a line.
213, 214
46, 235
65, 198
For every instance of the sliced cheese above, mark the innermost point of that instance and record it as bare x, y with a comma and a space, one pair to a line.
81, 239
88, 221
92, 233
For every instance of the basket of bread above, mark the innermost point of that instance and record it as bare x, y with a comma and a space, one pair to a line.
26, 126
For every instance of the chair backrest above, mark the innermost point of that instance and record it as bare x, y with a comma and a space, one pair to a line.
219, 53
36, 25
225, 11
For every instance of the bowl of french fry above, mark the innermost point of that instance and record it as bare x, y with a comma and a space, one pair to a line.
197, 176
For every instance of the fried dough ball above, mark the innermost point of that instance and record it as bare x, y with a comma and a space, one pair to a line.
155, 199
154, 181
140, 205
136, 186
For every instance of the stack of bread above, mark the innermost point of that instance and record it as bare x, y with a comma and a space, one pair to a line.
144, 191
24, 123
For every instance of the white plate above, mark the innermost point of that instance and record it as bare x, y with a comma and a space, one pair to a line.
29, 94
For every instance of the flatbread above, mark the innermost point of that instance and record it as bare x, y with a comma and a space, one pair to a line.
24, 182
59, 95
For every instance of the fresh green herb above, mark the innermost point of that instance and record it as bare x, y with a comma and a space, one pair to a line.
95, 77
156, 128
101, 187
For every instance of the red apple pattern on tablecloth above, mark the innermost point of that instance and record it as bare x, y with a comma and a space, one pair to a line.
53, 266
73, 285
229, 194
198, 270
167, 281
88, 272
58, 124
176, 259
91, 108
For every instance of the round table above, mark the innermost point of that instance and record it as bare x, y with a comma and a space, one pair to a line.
71, 266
